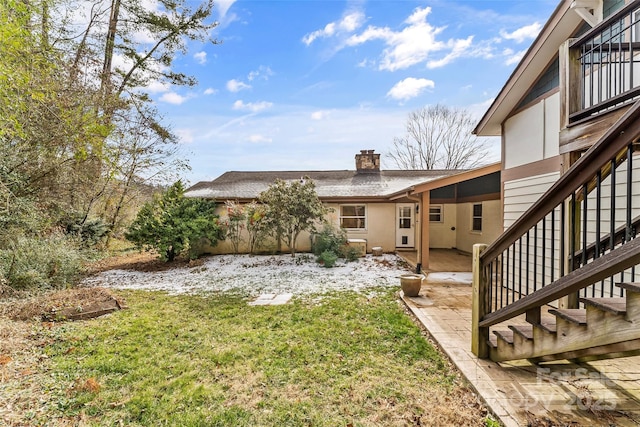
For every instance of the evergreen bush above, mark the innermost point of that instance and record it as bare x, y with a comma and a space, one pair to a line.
329, 239
328, 258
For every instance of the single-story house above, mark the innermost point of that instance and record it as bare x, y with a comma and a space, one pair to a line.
390, 209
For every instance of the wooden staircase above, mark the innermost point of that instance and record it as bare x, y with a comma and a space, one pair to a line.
605, 328
565, 248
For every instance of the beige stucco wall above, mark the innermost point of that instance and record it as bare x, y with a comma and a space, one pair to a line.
380, 231
491, 225
441, 236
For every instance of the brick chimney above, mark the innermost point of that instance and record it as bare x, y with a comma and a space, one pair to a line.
367, 162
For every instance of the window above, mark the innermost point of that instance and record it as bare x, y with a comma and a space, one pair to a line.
635, 33
404, 216
476, 221
353, 217
435, 213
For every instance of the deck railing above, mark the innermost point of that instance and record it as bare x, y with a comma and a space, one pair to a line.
575, 238
608, 57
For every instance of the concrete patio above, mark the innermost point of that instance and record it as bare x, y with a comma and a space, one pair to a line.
602, 393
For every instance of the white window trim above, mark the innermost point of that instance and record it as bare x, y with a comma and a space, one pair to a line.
441, 213
635, 27
474, 217
340, 216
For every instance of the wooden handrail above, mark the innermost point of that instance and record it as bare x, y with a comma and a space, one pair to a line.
625, 131
601, 268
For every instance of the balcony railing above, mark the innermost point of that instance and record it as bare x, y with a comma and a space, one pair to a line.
608, 57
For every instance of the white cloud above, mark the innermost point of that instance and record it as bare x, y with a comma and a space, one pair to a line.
259, 139
210, 91
157, 86
223, 6
320, 115
523, 33
348, 24
173, 98
513, 58
262, 72
184, 135
236, 86
200, 57
254, 107
409, 88
458, 49
413, 44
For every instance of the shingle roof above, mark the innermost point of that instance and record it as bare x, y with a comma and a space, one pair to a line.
329, 184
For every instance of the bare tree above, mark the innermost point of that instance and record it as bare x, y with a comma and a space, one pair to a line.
438, 137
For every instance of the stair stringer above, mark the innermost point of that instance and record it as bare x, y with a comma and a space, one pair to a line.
605, 335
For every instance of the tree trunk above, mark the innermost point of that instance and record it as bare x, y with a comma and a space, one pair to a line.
105, 81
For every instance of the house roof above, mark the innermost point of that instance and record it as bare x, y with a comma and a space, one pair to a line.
336, 184
456, 178
560, 26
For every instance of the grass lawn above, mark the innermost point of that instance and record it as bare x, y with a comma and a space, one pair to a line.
345, 359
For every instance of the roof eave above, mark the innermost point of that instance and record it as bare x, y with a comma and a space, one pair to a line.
558, 28
456, 178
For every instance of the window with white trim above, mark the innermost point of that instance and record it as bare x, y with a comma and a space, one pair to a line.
435, 213
353, 217
635, 26
476, 219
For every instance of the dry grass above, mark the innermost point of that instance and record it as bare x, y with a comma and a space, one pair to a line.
214, 361
40, 306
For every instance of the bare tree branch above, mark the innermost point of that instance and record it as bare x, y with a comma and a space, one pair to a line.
438, 137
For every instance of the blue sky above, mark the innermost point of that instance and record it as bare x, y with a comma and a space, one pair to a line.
305, 85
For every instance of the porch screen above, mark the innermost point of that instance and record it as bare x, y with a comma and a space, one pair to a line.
353, 216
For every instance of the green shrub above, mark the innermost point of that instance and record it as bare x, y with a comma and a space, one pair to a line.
172, 223
328, 258
350, 253
329, 239
31, 263
89, 231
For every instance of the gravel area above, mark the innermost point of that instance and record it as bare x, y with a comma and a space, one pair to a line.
255, 275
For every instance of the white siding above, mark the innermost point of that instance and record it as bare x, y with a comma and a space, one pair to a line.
520, 194
533, 134
524, 137
552, 126
620, 214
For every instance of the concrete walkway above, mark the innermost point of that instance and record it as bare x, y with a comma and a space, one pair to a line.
603, 393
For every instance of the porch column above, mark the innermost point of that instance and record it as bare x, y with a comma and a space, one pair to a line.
570, 96
479, 305
423, 250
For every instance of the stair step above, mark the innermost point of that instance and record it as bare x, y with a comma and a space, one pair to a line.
506, 336
612, 305
631, 287
549, 327
493, 341
574, 315
525, 331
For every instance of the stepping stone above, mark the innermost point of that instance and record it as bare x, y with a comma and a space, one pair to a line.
272, 299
